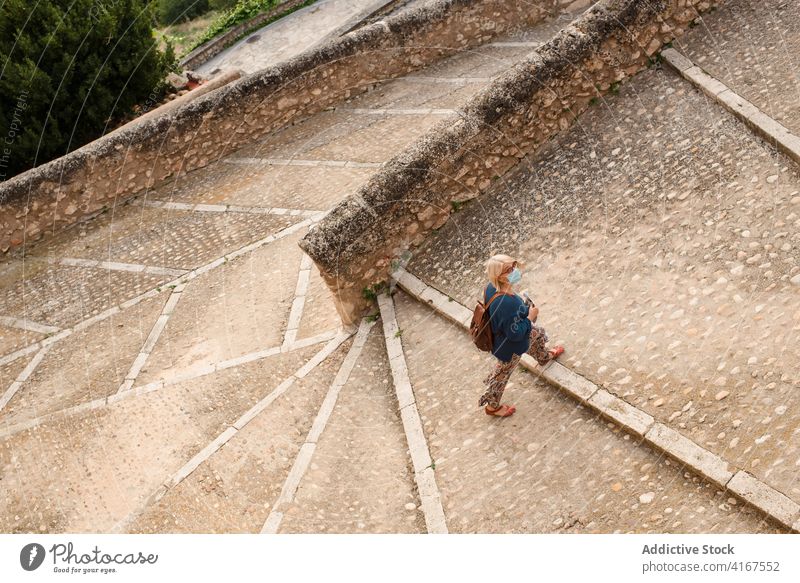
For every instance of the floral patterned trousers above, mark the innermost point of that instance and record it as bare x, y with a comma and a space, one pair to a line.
498, 378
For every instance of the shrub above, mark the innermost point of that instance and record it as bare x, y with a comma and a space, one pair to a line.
172, 11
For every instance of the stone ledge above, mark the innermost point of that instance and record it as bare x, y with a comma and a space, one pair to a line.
412, 423
765, 498
699, 460
458, 159
621, 412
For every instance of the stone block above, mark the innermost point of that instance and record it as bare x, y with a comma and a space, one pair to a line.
621, 412
765, 498
689, 453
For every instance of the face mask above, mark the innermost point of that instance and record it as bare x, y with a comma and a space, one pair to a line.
515, 276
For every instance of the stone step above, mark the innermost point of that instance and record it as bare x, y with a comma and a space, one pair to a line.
234, 488
554, 466
662, 255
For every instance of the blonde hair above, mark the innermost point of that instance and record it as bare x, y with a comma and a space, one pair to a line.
495, 266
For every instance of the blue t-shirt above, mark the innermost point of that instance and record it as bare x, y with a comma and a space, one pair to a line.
511, 328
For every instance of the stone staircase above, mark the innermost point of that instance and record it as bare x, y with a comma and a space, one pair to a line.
177, 364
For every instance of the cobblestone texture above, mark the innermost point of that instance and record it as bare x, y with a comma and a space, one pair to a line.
360, 477
264, 186
698, 248
484, 61
171, 238
344, 135
752, 46
12, 339
416, 92
233, 490
553, 466
9, 372
63, 296
660, 238
87, 365
126, 449
238, 308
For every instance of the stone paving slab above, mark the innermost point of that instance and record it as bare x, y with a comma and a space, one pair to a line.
237, 308
234, 489
86, 365
63, 296
264, 186
126, 449
12, 339
161, 238
661, 252
359, 478
553, 466
752, 46
343, 136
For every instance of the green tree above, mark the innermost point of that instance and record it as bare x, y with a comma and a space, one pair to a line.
67, 69
172, 11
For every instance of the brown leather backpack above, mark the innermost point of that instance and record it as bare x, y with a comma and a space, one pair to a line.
480, 328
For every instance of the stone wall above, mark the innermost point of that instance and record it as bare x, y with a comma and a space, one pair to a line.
76, 186
355, 245
219, 43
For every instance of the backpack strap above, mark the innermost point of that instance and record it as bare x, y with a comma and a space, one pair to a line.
497, 293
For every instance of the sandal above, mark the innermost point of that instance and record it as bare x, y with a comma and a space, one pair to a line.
494, 412
556, 352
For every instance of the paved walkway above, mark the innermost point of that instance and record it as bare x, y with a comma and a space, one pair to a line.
291, 35
752, 46
553, 466
177, 364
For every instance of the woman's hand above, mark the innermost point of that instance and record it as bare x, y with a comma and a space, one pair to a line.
533, 313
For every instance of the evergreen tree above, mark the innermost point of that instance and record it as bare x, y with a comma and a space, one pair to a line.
67, 69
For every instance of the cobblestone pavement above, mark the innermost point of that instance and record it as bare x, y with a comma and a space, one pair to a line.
134, 343
234, 489
551, 467
752, 47
661, 241
290, 36
360, 479
92, 469
164, 362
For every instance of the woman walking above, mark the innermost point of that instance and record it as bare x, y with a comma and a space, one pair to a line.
514, 332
